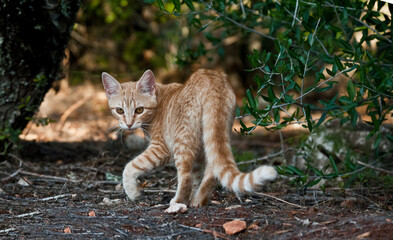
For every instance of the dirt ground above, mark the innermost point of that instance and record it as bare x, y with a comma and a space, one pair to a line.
63, 183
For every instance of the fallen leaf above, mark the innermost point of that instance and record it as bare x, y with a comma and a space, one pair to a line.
232, 207
388, 220
119, 187
254, 225
348, 203
144, 184
23, 182
234, 226
306, 222
109, 202
282, 231
92, 213
67, 230
329, 222
199, 225
363, 235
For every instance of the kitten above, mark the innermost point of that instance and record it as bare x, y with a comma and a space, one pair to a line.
187, 124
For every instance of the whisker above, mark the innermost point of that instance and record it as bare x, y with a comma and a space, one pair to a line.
121, 139
111, 129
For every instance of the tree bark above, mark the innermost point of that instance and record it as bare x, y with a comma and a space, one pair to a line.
33, 36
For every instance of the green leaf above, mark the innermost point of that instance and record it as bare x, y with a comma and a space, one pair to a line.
237, 111
389, 137
331, 72
338, 63
190, 5
321, 119
313, 183
334, 166
177, 5
161, 4
296, 170
271, 94
378, 140
345, 16
327, 59
351, 90
251, 99
354, 117
310, 39
345, 45
330, 176
308, 117
112, 177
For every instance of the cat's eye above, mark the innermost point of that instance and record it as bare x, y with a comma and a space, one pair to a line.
139, 110
119, 110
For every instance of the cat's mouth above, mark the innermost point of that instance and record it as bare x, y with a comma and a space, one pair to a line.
130, 127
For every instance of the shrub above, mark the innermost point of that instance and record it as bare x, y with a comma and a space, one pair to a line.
343, 48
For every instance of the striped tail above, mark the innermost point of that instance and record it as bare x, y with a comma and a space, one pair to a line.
216, 138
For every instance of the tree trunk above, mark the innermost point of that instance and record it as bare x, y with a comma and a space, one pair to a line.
33, 36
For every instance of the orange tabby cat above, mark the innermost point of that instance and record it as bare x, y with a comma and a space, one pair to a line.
188, 124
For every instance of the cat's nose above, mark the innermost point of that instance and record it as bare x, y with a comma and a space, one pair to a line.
129, 126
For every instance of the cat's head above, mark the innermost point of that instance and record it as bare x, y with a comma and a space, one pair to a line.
132, 103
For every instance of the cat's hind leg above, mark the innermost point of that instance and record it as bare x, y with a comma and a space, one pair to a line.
198, 171
202, 194
152, 157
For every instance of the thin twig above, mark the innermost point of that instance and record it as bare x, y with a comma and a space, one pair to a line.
49, 177
342, 25
306, 63
235, 22
214, 233
17, 158
5, 179
242, 7
322, 83
265, 157
71, 109
279, 199
57, 197
27, 214
372, 29
295, 13
8, 230
289, 12
107, 182
375, 168
282, 146
158, 190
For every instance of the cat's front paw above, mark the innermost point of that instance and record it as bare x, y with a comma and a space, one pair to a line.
176, 208
131, 189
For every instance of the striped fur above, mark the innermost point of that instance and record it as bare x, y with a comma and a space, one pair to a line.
188, 124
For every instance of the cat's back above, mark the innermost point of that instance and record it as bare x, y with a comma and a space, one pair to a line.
208, 78
203, 86
206, 82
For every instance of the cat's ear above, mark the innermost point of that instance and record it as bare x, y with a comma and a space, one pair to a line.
147, 83
111, 85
